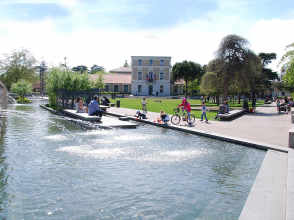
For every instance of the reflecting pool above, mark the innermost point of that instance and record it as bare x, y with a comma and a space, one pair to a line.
52, 169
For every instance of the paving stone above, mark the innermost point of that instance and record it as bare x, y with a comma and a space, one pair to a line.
290, 206
264, 205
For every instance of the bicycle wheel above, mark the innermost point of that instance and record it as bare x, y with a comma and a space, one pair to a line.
175, 119
192, 118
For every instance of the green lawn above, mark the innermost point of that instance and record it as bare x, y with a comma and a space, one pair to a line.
168, 105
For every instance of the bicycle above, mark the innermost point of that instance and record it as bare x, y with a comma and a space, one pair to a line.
178, 116
144, 109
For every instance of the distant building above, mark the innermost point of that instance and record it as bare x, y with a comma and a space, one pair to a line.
283, 72
148, 74
152, 74
116, 82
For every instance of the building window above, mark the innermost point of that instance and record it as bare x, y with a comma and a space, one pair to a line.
126, 88
161, 76
161, 89
106, 88
115, 88
175, 89
161, 62
150, 62
140, 62
139, 75
139, 88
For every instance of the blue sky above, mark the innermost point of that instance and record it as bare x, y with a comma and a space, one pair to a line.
107, 32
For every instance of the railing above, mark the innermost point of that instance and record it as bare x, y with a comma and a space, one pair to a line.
151, 80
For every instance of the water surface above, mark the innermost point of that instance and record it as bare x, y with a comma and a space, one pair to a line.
52, 169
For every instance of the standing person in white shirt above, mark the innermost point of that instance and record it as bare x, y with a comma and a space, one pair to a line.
144, 102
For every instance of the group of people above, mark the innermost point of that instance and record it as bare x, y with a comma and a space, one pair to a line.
287, 104
185, 106
92, 107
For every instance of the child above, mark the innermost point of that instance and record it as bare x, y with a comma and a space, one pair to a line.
186, 107
140, 115
144, 102
278, 106
164, 117
204, 109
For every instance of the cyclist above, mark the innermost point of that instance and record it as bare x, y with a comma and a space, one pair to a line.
186, 107
144, 102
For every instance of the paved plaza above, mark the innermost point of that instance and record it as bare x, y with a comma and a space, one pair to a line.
265, 126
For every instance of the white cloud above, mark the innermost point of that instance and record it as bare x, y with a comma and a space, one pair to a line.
195, 41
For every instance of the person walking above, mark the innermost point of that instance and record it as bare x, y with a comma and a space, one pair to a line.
204, 109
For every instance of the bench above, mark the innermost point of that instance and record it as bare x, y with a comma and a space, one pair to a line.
119, 96
174, 97
104, 107
110, 104
268, 102
231, 114
83, 116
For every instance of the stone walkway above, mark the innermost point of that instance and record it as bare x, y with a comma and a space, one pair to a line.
265, 126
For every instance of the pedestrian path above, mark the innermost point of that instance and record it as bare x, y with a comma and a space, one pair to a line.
264, 126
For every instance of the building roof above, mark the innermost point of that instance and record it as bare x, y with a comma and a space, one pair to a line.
122, 70
179, 82
114, 78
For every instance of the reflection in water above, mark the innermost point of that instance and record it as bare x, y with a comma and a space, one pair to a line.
51, 169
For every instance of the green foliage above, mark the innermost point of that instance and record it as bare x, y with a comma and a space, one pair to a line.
288, 57
20, 64
233, 51
186, 71
80, 69
20, 99
100, 80
126, 64
95, 68
22, 87
60, 78
267, 58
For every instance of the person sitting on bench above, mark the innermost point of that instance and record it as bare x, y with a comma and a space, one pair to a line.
105, 100
79, 105
94, 107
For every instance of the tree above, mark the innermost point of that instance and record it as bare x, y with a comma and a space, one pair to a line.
187, 71
287, 62
64, 65
22, 87
267, 58
20, 64
80, 69
95, 68
126, 64
60, 78
267, 74
212, 81
232, 50
100, 80
42, 69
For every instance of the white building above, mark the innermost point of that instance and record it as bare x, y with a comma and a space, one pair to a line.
151, 74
